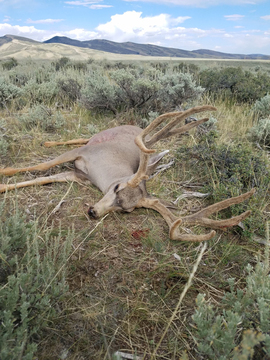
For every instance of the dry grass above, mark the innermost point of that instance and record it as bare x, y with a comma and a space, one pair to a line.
125, 275
234, 121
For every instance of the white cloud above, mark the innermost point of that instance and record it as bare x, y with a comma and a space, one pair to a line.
201, 3
44, 21
234, 17
42, 35
94, 7
266, 17
131, 25
162, 30
250, 42
30, 31
7, 18
90, 4
80, 34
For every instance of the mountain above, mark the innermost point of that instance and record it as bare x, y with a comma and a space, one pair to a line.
59, 46
8, 38
150, 50
22, 48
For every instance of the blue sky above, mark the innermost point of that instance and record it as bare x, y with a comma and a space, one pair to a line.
232, 26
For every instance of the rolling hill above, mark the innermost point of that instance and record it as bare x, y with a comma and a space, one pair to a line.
150, 50
59, 46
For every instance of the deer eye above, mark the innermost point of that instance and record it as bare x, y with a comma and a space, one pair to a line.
116, 188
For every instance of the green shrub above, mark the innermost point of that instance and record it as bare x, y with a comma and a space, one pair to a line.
8, 92
92, 129
43, 117
235, 84
143, 90
78, 65
3, 146
229, 170
215, 334
260, 133
40, 93
3, 139
160, 66
186, 68
9, 64
176, 89
69, 90
262, 107
32, 281
135, 90
18, 79
151, 116
61, 63
99, 93
243, 320
65, 63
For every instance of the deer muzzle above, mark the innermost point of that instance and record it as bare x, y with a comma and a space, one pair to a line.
92, 213
103, 206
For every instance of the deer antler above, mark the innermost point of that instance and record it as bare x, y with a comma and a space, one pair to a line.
199, 218
164, 133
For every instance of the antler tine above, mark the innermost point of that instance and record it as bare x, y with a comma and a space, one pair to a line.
141, 172
165, 132
173, 221
225, 204
140, 139
145, 152
199, 218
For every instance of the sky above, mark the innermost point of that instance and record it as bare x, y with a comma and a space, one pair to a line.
231, 26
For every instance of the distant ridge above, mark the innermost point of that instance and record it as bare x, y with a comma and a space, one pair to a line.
150, 50
12, 45
8, 38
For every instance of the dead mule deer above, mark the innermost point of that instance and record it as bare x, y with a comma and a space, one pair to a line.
119, 161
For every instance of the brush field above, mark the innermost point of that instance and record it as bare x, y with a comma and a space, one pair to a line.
119, 288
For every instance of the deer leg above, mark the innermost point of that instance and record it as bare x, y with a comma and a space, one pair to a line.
199, 218
69, 142
63, 177
67, 156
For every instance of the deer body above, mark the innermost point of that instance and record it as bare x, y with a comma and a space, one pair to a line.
109, 156
119, 161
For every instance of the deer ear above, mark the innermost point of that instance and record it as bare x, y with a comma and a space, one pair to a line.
154, 161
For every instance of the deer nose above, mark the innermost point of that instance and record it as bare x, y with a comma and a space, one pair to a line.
92, 213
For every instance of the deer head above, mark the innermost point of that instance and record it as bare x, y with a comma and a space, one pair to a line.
121, 196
